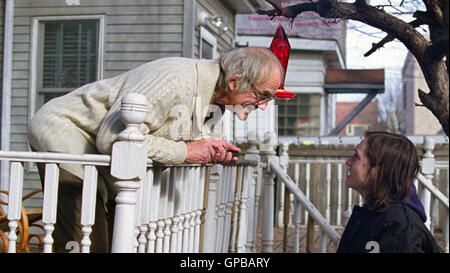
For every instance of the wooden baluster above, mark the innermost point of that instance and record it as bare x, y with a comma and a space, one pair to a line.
228, 207
285, 197
258, 192
199, 207
347, 213
221, 208
193, 198
146, 186
339, 197
174, 180
88, 205
297, 182
252, 154
297, 222
155, 190
187, 190
205, 193
49, 204
180, 208
242, 219
168, 218
223, 215
328, 203
434, 208
235, 210
14, 203
128, 167
210, 227
268, 154
427, 164
166, 215
297, 216
161, 212
308, 181
137, 217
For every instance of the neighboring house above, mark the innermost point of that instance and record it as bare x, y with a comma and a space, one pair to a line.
415, 120
316, 45
366, 120
59, 45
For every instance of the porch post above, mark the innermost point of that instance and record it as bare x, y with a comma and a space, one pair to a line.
268, 154
427, 164
128, 166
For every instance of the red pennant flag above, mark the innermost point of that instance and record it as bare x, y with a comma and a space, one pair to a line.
281, 48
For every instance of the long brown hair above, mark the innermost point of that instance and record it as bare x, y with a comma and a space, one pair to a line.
393, 166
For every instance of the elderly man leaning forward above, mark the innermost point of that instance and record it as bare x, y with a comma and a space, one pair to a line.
87, 121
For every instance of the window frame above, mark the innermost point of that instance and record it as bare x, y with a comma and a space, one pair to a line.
36, 52
283, 113
350, 128
210, 39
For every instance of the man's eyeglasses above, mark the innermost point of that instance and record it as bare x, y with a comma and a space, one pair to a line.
263, 97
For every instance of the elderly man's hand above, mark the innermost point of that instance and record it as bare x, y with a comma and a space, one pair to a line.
211, 150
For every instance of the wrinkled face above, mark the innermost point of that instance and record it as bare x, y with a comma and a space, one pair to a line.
254, 97
358, 166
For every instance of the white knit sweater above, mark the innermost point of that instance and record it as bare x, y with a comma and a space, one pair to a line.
87, 120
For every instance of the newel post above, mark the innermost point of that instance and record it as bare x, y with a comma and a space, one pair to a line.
427, 169
268, 155
128, 167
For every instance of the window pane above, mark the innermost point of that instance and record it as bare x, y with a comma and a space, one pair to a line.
299, 116
207, 50
70, 54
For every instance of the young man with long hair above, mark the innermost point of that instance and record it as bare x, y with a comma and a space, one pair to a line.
382, 169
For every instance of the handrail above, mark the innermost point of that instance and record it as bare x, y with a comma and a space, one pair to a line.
45, 157
435, 191
300, 196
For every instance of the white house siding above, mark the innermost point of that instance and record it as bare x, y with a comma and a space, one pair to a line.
216, 7
415, 120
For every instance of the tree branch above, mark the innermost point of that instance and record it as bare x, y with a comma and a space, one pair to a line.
289, 12
367, 14
388, 38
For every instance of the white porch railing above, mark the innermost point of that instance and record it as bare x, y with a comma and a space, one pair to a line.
186, 208
159, 208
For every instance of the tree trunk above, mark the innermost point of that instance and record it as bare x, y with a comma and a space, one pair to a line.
437, 100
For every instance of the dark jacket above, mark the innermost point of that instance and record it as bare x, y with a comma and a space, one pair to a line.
399, 229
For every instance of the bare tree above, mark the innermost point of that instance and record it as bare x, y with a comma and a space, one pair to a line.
431, 52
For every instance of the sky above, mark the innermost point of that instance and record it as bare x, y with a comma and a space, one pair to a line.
390, 57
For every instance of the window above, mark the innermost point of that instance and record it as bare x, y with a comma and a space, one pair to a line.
208, 45
69, 57
356, 129
66, 53
299, 116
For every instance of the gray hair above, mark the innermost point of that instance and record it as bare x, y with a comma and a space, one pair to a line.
248, 62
